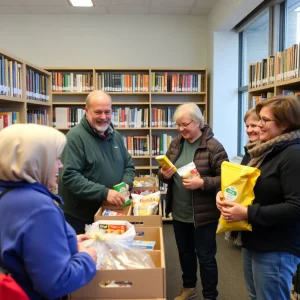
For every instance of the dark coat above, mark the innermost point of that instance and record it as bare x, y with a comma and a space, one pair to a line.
275, 212
208, 159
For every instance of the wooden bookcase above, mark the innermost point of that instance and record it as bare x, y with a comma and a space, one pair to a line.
25, 92
152, 91
276, 89
278, 74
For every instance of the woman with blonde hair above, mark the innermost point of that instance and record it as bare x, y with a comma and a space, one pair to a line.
271, 251
38, 248
192, 201
252, 130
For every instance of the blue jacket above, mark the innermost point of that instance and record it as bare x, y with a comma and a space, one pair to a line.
37, 245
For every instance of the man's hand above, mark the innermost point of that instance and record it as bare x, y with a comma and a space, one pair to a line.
113, 197
193, 183
167, 173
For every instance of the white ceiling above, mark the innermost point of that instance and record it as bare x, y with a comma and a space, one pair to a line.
141, 7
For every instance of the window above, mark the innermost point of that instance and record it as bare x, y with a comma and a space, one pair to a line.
293, 22
255, 43
254, 46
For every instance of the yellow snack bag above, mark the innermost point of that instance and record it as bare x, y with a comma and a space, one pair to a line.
237, 183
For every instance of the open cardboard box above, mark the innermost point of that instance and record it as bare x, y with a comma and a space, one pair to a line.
146, 221
151, 234
151, 180
145, 283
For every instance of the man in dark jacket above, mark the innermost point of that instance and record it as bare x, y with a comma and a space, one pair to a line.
95, 159
192, 201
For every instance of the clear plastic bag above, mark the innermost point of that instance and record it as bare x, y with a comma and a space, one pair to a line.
114, 251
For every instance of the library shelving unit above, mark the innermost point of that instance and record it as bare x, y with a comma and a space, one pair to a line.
25, 92
278, 74
144, 101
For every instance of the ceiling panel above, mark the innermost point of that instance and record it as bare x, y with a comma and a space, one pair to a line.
208, 4
180, 3
44, 2
10, 9
43, 9
100, 2
197, 10
88, 10
10, 2
165, 10
132, 9
129, 2
181, 7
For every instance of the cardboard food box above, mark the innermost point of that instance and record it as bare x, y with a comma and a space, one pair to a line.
150, 180
150, 234
144, 283
137, 221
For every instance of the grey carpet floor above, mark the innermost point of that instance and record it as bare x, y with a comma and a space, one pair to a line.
231, 279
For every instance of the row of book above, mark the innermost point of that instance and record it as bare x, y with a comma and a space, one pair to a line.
37, 116
263, 96
176, 82
279, 67
126, 82
67, 117
121, 117
8, 118
127, 117
69, 82
116, 82
10, 77
139, 145
256, 99
36, 86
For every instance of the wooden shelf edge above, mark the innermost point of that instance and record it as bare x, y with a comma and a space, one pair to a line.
12, 99
287, 82
167, 219
37, 102
262, 88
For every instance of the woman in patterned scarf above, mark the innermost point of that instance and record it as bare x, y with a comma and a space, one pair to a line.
271, 251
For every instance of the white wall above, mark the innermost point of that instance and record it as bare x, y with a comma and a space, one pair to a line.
106, 40
225, 104
223, 66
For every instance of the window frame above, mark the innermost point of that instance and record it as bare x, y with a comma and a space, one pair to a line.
277, 42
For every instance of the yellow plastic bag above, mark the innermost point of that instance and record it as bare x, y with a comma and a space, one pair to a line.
237, 183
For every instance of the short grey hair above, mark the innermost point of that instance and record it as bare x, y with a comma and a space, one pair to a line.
91, 94
192, 110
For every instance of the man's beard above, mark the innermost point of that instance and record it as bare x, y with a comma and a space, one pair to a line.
101, 128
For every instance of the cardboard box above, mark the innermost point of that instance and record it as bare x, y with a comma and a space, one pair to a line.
151, 234
126, 210
145, 283
137, 221
154, 188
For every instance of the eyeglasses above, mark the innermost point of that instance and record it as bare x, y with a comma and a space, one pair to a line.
264, 121
184, 126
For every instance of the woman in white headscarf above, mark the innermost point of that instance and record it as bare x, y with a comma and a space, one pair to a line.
37, 246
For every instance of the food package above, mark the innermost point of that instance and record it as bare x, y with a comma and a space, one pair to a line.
108, 212
115, 251
163, 160
122, 189
237, 183
145, 205
188, 171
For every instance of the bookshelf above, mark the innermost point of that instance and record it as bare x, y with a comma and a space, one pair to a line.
25, 92
278, 74
144, 101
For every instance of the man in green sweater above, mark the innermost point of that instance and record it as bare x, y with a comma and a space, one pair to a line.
95, 159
